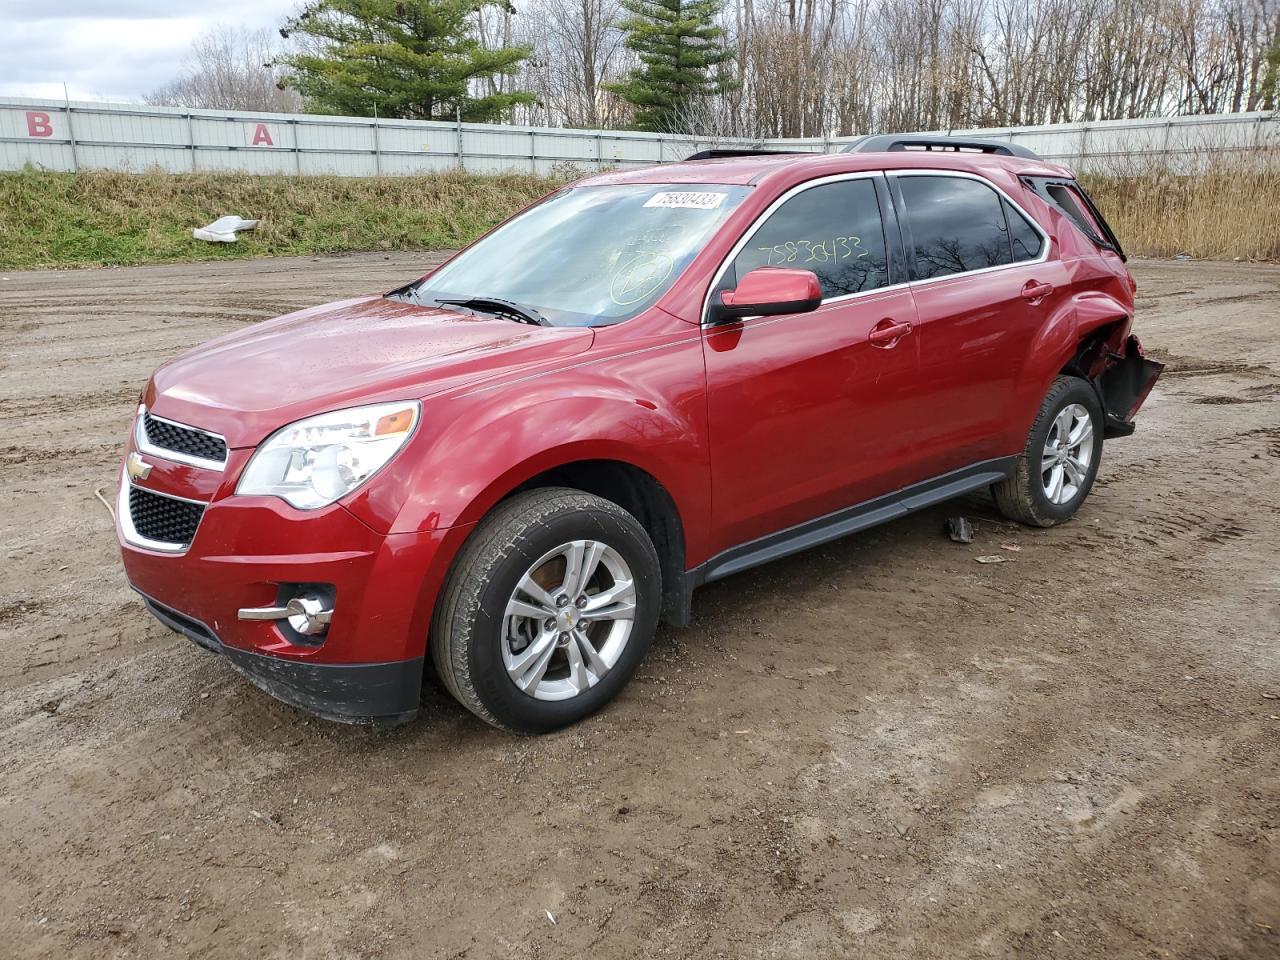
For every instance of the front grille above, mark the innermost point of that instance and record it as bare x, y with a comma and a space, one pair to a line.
162, 518
171, 436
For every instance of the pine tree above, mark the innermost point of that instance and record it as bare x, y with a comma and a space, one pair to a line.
1270, 85
408, 59
680, 53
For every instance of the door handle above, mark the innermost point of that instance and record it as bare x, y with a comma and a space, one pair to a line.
1034, 291
888, 332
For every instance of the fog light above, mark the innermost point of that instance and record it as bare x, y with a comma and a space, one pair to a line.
308, 615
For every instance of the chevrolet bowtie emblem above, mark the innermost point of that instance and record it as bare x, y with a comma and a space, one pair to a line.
136, 467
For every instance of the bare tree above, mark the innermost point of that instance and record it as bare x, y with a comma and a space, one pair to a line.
818, 68
1220, 52
229, 68
578, 49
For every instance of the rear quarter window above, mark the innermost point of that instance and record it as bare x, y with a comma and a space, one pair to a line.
1069, 199
1066, 200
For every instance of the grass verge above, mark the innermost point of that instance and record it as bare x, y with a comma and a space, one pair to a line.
98, 218
1228, 209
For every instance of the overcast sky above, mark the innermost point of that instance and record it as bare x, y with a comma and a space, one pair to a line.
110, 49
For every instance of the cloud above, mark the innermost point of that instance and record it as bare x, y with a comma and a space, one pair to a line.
20, 11
111, 50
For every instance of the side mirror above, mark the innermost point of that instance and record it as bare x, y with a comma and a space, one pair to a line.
767, 292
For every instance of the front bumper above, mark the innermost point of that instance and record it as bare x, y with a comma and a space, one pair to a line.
246, 547
367, 667
377, 693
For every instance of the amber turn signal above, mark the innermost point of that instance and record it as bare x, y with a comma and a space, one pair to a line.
397, 422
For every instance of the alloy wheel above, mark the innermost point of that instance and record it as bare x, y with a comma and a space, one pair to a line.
1068, 454
568, 620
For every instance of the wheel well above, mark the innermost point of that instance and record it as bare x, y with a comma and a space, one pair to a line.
642, 496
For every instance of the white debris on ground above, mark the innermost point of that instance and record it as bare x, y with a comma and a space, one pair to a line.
224, 229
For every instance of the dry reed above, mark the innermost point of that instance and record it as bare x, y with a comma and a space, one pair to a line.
1209, 204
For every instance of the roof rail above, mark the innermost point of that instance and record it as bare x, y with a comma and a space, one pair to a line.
736, 152
892, 142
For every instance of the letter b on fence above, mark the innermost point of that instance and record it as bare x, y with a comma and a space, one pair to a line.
39, 124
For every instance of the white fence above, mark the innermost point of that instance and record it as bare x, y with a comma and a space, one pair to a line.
57, 135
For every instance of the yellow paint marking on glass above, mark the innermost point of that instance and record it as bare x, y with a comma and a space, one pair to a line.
639, 277
831, 250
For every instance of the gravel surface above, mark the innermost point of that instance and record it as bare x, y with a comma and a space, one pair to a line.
879, 748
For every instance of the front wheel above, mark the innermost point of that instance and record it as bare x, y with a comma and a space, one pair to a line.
1056, 469
548, 610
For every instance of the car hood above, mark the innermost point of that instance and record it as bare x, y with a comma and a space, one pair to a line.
250, 383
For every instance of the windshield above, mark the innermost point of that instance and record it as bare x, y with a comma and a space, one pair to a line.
587, 255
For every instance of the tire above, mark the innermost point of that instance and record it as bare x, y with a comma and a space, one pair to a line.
1030, 494
475, 636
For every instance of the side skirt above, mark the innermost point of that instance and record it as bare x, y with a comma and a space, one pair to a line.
849, 520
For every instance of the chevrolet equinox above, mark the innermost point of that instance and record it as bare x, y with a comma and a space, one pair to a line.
512, 468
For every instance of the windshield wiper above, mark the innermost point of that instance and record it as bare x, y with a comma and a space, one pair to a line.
499, 308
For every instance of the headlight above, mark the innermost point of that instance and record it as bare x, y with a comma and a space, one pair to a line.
316, 461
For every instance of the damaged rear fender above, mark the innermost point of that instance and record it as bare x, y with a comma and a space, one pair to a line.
1124, 384
1088, 336
1113, 361
1057, 342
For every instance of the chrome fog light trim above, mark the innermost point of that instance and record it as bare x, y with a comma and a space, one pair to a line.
307, 615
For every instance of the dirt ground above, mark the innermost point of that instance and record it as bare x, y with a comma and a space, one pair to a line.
879, 748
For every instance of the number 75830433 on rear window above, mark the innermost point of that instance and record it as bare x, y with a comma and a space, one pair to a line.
514, 467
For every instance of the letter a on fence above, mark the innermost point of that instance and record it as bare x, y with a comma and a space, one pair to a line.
262, 135
39, 124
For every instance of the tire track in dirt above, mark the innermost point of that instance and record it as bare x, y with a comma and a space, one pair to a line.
876, 748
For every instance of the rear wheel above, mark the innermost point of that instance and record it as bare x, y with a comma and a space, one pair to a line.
1057, 467
548, 610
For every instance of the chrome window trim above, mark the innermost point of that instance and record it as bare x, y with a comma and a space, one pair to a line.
132, 536
144, 445
1045, 239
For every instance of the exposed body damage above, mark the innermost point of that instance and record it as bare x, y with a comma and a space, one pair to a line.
1112, 359
1125, 380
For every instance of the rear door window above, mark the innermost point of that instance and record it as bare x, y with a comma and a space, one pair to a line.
833, 229
955, 225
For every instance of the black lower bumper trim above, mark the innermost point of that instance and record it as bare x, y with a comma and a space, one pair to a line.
368, 693
1115, 427
383, 693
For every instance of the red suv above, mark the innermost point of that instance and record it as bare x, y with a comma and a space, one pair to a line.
518, 464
